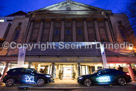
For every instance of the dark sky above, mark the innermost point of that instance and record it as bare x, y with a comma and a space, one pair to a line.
10, 6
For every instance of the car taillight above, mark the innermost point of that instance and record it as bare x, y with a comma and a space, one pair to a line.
127, 74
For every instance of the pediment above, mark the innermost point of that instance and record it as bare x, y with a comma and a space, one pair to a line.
70, 6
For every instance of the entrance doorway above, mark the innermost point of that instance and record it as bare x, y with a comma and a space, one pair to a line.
67, 72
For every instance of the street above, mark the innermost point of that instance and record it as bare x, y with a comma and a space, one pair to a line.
71, 87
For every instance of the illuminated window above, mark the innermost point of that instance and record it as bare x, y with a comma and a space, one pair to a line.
1, 20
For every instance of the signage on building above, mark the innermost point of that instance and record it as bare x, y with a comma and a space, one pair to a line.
21, 57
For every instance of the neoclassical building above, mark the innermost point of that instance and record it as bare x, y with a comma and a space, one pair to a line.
70, 22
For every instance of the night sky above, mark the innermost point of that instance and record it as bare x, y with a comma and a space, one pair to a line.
10, 6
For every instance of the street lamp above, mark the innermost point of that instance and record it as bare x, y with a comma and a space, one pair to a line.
132, 49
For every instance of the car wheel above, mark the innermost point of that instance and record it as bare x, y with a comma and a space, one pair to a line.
122, 81
40, 82
87, 82
10, 82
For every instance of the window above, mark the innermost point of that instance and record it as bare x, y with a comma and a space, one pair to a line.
17, 32
1, 43
68, 32
46, 31
12, 71
57, 32
80, 32
105, 71
20, 23
91, 31
35, 32
28, 71
16, 35
119, 22
9, 20
122, 30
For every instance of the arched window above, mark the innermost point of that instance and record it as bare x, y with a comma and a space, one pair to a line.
67, 32
17, 32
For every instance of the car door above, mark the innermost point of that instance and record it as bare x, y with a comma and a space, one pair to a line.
104, 77
15, 74
27, 76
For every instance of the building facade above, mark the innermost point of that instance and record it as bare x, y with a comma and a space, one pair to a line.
70, 22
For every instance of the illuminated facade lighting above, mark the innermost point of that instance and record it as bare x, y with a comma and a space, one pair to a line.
1, 20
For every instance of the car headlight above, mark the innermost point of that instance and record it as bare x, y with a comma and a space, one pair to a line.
80, 77
47, 76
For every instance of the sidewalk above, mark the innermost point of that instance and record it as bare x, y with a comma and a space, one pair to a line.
132, 83
61, 84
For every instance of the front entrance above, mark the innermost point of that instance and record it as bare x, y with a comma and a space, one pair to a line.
67, 71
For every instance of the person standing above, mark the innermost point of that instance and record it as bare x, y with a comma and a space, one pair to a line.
0, 75
120, 68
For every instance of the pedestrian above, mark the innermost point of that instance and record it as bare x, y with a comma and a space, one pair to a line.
41, 70
0, 75
74, 75
120, 68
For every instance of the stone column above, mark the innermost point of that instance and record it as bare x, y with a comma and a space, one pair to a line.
78, 67
96, 67
131, 72
29, 64
108, 32
50, 69
74, 31
76, 70
57, 72
30, 32
62, 31
53, 69
5, 70
40, 32
97, 32
38, 68
51, 32
85, 32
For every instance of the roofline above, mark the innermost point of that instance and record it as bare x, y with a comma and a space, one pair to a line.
48, 7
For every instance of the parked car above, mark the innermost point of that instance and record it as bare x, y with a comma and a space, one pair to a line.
105, 76
26, 76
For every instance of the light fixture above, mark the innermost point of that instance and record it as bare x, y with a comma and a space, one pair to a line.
1, 20
130, 48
